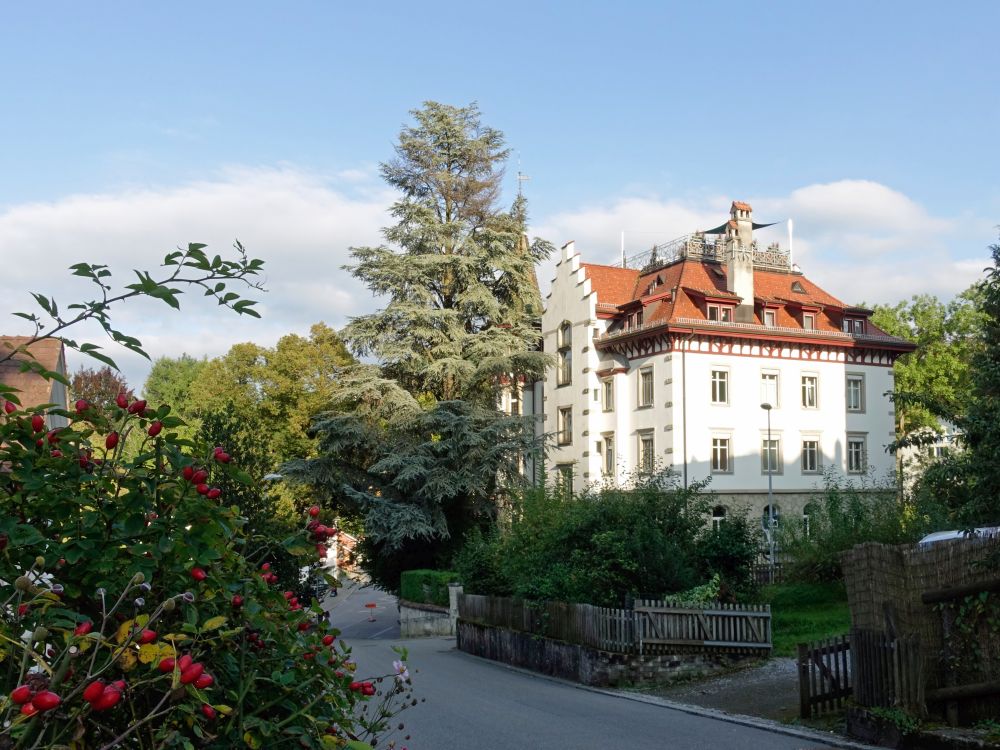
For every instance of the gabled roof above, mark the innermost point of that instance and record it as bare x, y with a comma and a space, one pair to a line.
34, 389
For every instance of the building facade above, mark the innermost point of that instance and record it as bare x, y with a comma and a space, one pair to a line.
666, 361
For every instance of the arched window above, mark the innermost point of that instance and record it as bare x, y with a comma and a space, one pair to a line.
718, 516
766, 521
564, 354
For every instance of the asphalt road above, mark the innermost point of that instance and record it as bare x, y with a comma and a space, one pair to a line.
474, 704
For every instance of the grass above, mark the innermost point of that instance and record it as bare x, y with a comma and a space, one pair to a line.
804, 612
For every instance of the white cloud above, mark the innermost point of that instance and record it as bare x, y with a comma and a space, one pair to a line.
860, 240
300, 223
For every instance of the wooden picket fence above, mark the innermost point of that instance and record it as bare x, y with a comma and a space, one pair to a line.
649, 626
661, 625
871, 667
825, 675
888, 671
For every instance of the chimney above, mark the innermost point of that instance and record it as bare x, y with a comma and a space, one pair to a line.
739, 259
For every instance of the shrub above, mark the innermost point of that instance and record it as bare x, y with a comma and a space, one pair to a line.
596, 547
133, 573
849, 514
427, 586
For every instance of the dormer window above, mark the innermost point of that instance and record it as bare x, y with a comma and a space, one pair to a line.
809, 321
854, 325
770, 318
797, 287
721, 313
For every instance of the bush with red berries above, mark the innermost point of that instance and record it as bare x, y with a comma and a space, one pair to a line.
137, 610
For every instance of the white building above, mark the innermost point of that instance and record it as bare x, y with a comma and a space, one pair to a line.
665, 362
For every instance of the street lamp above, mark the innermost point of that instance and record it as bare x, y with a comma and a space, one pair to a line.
770, 492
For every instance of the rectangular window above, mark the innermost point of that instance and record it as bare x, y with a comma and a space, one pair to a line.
647, 457
810, 389
810, 456
515, 401
857, 454
721, 313
721, 463
564, 367
854, 325
809, 321
564, 478
609, 455
769, 388
770, 456
608, 394
770, 318
855, 393
646, 387
565, 436
720, 386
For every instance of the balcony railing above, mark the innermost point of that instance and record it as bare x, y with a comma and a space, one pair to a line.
755, 327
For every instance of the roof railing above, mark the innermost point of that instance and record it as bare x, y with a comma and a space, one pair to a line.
699, 246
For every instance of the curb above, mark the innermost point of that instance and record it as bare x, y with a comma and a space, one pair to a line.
754, 722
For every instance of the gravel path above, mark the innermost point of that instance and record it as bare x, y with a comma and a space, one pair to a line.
770, 691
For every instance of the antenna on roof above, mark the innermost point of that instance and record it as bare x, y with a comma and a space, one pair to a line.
623, 248
791, 246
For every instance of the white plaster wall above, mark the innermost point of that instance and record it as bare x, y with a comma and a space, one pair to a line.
570, 299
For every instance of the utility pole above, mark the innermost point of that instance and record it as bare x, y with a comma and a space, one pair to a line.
770, 492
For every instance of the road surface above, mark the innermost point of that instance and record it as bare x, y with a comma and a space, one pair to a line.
474, 704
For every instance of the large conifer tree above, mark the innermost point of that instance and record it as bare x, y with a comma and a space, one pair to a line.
417, 448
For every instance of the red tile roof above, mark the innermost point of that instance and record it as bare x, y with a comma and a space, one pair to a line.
613, 285
742, 206
690, 281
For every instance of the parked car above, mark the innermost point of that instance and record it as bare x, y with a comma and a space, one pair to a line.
983, 532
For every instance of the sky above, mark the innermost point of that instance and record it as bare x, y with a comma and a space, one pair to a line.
130, 129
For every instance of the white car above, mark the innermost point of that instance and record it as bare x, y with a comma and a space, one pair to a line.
983, 532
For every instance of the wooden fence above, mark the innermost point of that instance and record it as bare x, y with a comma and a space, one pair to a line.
873, 668
650, 626
725, 626
888, 671
825, 675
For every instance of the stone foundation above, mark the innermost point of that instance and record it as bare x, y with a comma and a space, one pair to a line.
588, 665
417, 620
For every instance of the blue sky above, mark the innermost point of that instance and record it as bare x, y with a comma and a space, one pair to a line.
130, 128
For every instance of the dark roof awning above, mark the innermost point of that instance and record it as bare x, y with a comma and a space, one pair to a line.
722, 227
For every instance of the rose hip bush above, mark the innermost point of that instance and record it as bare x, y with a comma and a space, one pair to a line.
138, 612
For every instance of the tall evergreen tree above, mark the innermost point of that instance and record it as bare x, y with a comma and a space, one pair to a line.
417, 449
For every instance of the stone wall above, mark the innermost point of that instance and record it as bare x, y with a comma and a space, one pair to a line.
417, 620
587, 665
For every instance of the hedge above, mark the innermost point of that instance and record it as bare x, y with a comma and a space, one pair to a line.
426, 586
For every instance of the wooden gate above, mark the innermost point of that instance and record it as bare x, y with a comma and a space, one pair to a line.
825, 675
660, 625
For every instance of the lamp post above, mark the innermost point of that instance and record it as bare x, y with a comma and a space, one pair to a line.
770, 493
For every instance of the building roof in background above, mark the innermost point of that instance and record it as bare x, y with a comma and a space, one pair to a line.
33, 388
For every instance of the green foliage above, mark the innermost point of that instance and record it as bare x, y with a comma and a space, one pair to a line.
183, 269
599, 546
805, 612
415, 448
426, 586
946, 335
169, 382
848, 514
462, 295
419, 486
92, 535
116, 560
905, 722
